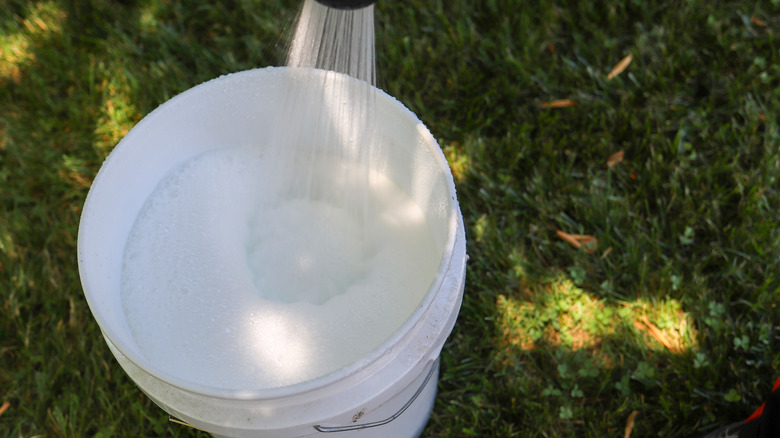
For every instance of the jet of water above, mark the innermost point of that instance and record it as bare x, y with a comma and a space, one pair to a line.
340, 40
335, 115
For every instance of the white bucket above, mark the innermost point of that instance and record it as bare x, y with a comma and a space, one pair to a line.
389, 392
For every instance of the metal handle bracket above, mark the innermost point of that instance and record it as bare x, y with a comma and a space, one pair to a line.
331, 429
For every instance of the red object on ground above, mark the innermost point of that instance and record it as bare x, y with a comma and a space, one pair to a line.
760, 411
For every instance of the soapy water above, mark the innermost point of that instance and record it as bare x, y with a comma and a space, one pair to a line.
228, 285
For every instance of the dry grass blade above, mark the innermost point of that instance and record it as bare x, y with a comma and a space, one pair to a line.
184, 423
4, 407
587, 242
645, 325
622, 65
560, 103
630, 424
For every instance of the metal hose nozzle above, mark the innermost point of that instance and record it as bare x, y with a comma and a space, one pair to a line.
347, 4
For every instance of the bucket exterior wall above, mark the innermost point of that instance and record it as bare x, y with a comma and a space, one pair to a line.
368, 392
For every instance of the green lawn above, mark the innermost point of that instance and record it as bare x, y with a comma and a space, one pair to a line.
670, 309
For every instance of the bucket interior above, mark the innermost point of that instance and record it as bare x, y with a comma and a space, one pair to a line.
234, 110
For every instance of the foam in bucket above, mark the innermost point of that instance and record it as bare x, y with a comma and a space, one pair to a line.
229, 287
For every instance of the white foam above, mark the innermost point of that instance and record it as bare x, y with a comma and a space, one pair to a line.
227, 286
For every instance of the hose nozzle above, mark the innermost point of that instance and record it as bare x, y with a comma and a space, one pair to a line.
347, 4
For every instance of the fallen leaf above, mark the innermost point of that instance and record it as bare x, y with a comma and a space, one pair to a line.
561, 103
587, 242
630, 424
620, 67
615, 158
757, 21
4, 407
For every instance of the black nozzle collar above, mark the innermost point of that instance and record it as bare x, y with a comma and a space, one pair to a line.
347, 4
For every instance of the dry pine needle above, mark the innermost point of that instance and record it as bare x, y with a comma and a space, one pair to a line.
561, 103
586, 242
622, 65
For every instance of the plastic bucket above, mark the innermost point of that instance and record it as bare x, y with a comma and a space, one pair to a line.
388, 392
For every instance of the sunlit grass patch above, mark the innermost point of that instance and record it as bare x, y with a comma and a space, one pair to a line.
44, 20
148, 21
663, 325
458, 161
13, 52
563, 315
118, 114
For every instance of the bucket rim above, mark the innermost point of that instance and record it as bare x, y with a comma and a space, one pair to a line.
376, 359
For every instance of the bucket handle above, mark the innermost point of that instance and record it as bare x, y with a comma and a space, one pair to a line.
330, 429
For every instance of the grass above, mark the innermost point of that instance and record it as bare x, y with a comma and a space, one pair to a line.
673, 314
